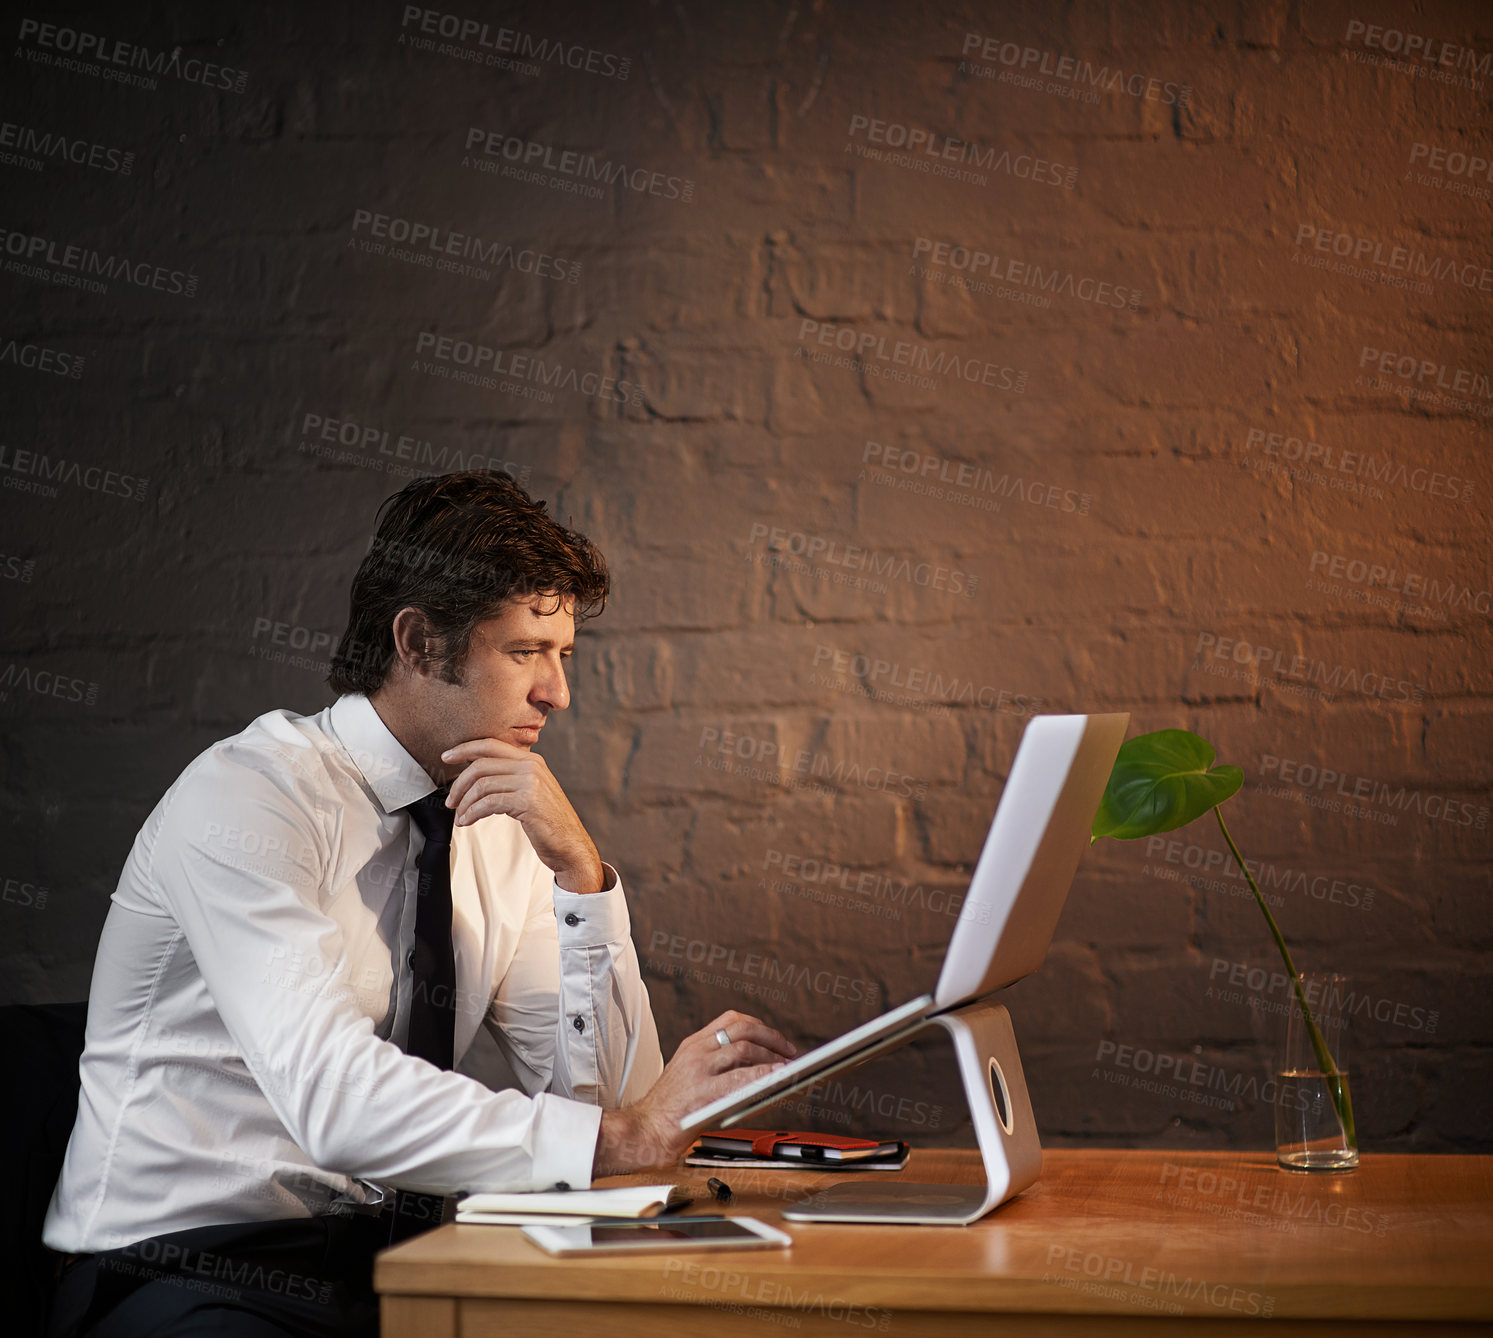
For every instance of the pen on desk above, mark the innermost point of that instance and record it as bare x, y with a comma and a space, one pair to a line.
719, 1188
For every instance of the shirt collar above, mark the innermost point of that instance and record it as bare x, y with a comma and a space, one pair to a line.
392, 774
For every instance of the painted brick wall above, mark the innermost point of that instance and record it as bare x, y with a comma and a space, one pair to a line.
917, 366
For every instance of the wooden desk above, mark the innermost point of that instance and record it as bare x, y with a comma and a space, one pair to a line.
1119, 1241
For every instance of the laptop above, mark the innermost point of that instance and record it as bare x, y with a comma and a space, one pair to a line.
1039, 832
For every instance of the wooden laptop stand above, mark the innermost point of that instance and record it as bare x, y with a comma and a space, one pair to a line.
995, 1087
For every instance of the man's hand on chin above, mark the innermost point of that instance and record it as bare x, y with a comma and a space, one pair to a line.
646, 1133
499, 777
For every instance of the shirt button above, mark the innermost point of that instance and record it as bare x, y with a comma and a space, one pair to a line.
572, 919
411, 959
579, 1024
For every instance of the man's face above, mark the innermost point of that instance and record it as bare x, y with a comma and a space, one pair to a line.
513, 677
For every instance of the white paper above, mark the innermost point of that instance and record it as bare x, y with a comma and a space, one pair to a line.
519, 1219
628, 1201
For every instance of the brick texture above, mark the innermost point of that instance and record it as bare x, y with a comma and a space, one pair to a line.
1166, 389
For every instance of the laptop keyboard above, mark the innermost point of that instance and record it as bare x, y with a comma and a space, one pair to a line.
809, 1064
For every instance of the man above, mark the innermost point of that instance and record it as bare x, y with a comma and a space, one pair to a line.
309, 930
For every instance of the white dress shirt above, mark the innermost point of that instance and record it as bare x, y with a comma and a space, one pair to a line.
253, 984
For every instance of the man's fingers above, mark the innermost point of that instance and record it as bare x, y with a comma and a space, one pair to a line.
739, 1054
487, 768
727, 1020
481, 786
724, 1083
759, 1033
474, 748
481, 806
744, 1028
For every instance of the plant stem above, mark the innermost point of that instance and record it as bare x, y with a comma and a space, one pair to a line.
1341, 1102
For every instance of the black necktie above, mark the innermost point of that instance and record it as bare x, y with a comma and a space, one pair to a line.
433, 1001
433, 984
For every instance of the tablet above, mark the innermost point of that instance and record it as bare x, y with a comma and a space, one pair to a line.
670, 1235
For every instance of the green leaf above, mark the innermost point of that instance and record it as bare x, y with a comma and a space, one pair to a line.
1161, 781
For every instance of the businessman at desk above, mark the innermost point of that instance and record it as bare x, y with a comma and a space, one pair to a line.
311, 926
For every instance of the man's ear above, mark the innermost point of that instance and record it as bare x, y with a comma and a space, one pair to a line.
413, 640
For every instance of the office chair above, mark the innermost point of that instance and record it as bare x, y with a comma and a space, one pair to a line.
41, 1047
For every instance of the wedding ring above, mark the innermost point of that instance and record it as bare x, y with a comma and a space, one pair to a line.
722, 1037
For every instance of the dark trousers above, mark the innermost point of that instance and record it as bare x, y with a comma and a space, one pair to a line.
307, 1276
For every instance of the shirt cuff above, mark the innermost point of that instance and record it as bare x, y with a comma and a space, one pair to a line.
565, 1134
592, 919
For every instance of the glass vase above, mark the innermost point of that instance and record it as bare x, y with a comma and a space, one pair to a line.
1314, 1125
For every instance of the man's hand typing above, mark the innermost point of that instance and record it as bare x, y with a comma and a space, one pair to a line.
647, 1132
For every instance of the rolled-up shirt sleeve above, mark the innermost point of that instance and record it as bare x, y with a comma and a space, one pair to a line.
572, 1014
354, 1103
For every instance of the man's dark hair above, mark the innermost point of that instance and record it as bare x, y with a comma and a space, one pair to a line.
457, 547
